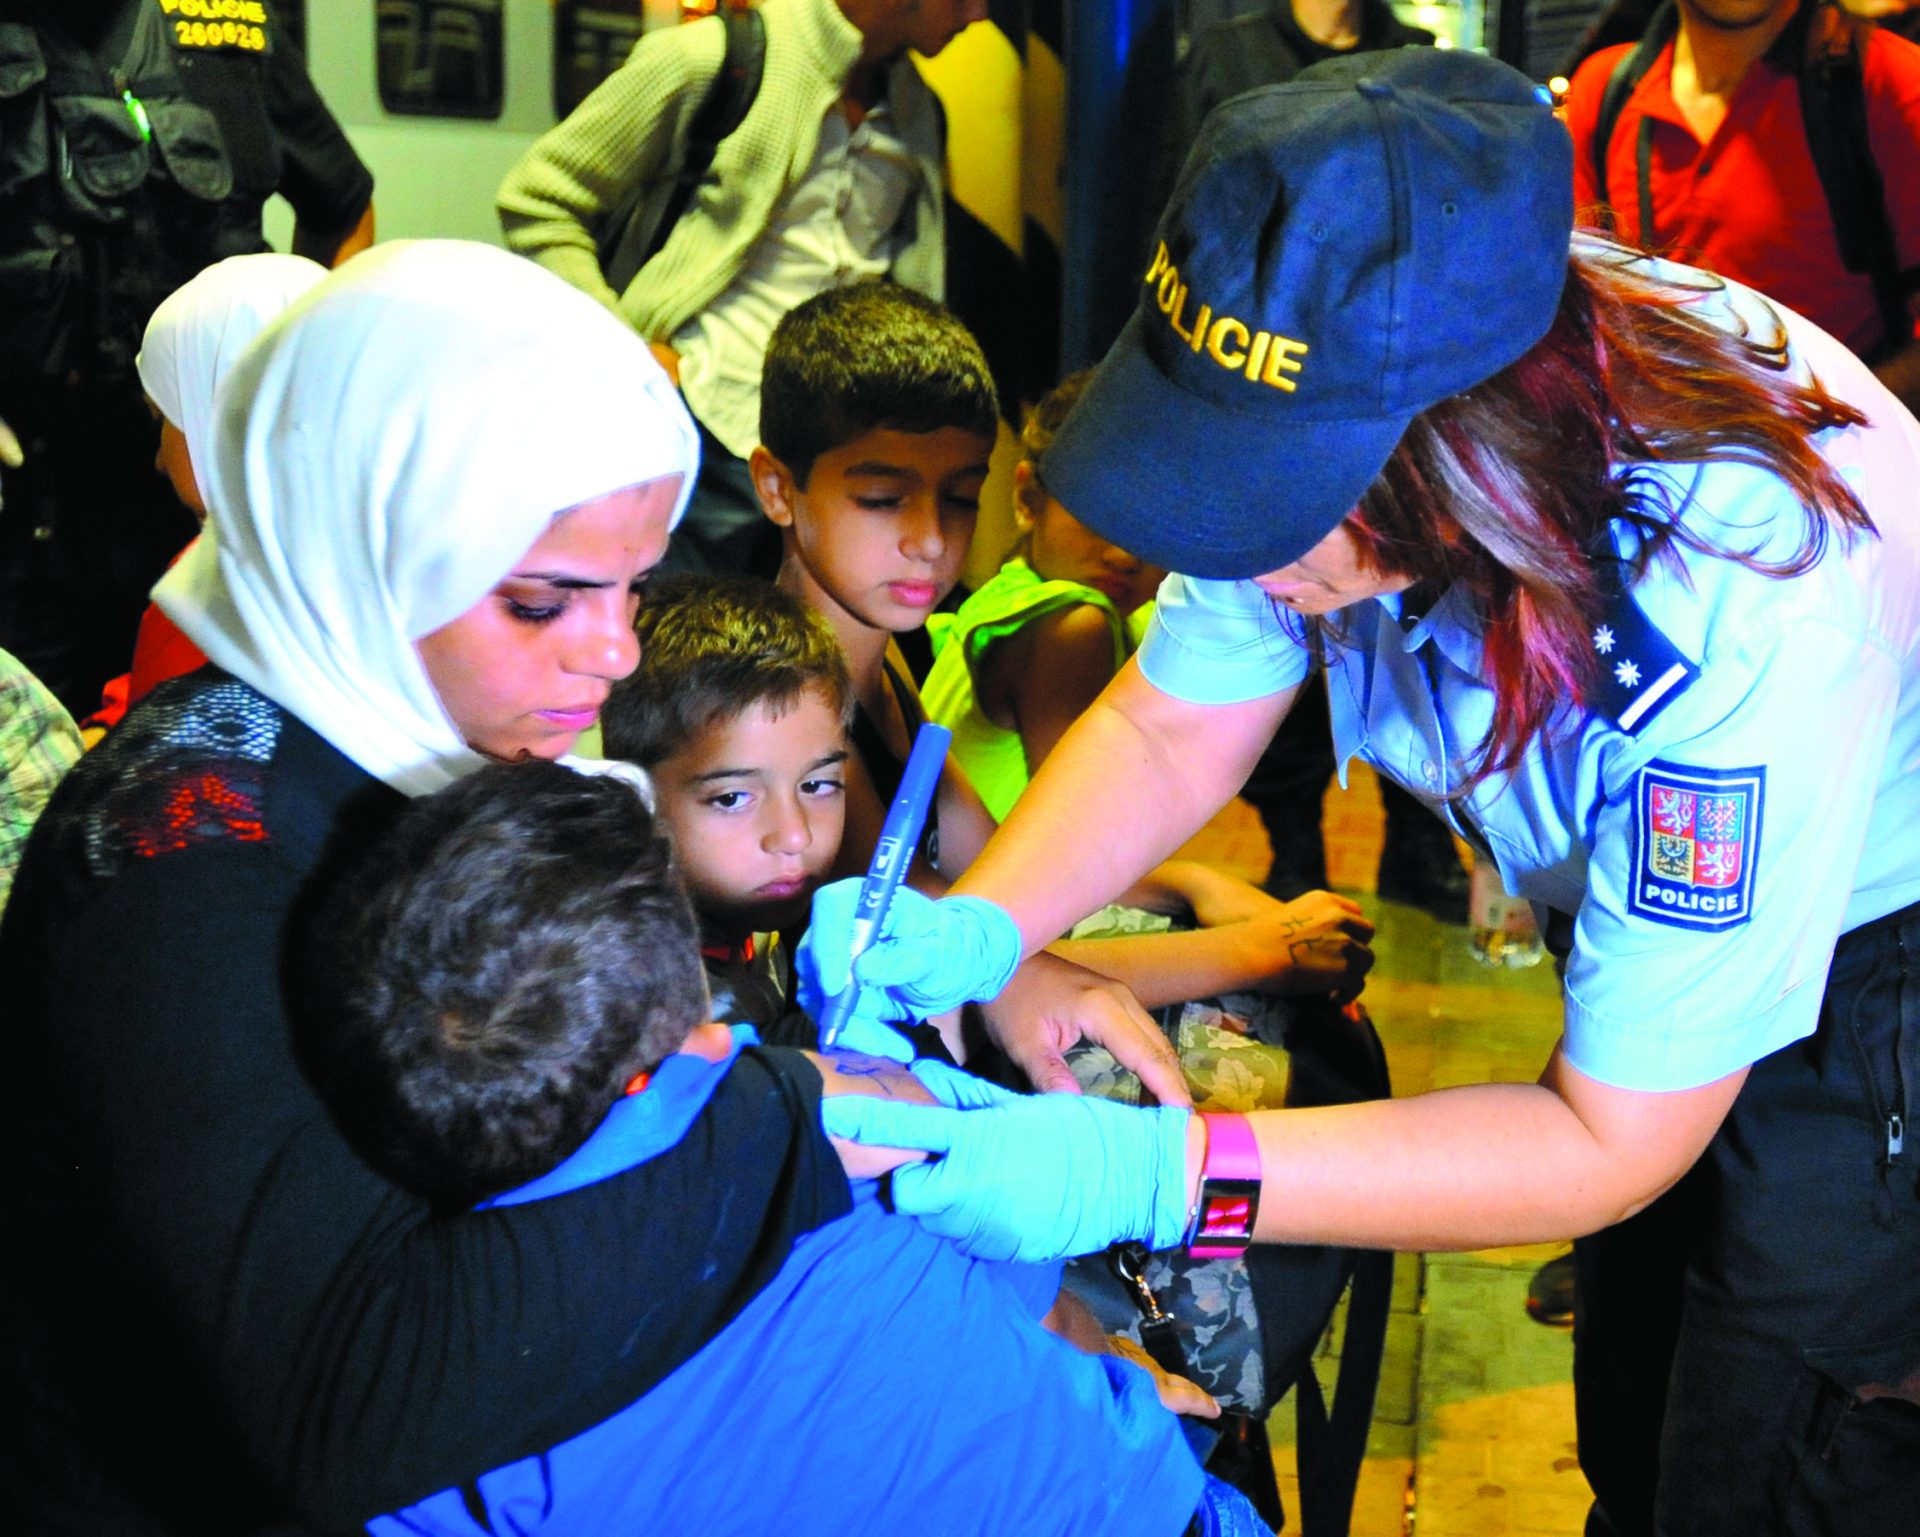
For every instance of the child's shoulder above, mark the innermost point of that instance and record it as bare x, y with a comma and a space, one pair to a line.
1016, 597
641, 1125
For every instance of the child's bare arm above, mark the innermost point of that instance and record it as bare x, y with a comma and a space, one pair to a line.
1159, 969
1180, 1394
1051, 671
965, 822
1047, 675
845, 1072
1316, 944
1210, 897
1073, 1321
1213, 896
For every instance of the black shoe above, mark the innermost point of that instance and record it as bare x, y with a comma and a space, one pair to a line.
1550, 1292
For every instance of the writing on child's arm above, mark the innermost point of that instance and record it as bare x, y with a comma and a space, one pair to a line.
850, 1072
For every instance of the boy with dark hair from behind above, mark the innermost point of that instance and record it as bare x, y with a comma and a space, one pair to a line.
739, 710
472, 1013
498, 970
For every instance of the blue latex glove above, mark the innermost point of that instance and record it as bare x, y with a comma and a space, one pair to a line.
929, 956
867, 1034
869, 1028
1031, 1177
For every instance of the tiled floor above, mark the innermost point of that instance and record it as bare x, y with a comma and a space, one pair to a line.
1473, 1429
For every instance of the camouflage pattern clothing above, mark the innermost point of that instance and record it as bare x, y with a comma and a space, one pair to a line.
1229, 1063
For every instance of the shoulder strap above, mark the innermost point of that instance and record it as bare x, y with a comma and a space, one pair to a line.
1332, 1445
732, 91
906, 696
883, 767
728, 99
1833, 109
886, 771
729, 96
1338, 1058
1627, 74
1641, 670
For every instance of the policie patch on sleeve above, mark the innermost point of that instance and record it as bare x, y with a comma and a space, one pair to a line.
1696, 841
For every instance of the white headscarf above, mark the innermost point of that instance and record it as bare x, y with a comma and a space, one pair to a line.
382, 457
202, 327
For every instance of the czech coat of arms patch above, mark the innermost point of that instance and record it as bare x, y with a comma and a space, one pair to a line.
1696, 838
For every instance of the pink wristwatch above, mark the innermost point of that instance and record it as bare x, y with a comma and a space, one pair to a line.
1229, 1190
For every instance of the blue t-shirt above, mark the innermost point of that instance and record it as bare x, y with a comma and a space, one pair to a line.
882, 1382
1751, 789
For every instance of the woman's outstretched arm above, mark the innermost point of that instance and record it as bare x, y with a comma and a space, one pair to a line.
1480, 1165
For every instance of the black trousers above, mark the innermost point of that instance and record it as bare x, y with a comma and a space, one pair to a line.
1747, 1351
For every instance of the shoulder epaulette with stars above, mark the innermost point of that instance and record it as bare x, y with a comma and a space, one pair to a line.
1641, 671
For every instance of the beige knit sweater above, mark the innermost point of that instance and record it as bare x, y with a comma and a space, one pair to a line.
635, 126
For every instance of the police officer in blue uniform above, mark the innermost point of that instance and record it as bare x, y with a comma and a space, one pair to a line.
139, 140
1615, 564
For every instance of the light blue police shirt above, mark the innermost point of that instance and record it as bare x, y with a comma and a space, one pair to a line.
1750, 789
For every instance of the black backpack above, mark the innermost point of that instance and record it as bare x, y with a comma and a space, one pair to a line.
1833, 110
628, 236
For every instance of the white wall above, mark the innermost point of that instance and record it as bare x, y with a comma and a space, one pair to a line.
433, 176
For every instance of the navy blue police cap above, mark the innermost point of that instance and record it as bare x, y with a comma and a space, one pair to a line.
1340, 253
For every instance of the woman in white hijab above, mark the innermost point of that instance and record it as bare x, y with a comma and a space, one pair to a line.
359, 521
193, 340
436, 485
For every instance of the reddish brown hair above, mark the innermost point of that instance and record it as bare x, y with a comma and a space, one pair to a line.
1505, 489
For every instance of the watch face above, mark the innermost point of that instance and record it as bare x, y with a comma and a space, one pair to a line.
1224, 1223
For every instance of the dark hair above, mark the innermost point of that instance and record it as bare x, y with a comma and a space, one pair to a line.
711, 648
863, 357
1508, 488
480, 986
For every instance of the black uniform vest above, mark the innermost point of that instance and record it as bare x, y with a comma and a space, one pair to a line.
118, 183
